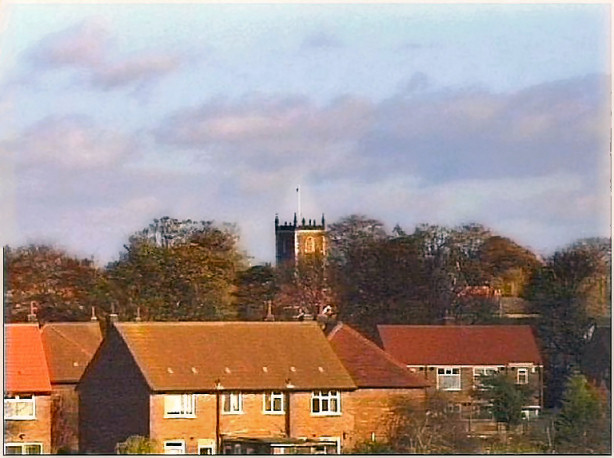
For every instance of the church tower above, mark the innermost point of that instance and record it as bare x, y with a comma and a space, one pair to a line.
296, 241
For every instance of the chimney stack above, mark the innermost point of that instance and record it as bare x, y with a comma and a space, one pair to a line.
32, 315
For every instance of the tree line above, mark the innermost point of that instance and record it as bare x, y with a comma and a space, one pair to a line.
195, 270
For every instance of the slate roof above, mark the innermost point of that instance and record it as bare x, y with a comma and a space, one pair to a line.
460, 345
69, 348
245, 356
369, 365
25, 368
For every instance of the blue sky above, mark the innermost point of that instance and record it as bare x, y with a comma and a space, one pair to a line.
410, 113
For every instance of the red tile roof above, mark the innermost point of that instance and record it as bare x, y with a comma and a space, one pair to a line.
461, 345
69, 348
240, 355
25, 366
369, 365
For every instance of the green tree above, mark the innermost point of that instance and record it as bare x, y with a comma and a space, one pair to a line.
256, 286
583, 424
137, 445
59, 287
178, 270
561, 292
506, 398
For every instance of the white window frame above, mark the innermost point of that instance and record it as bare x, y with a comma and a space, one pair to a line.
268, 403
23, 446
187, 403
450, 375
12, 401
232, 403
479, 372
336, 439
328, 399
525, 371
310, 244
168, 448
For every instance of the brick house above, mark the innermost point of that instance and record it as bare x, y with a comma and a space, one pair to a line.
69, 347
27, 389
453, 358
382, 383
216, 387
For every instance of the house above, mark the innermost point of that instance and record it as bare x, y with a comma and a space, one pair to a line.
69, 347
27, 392
454, 358
216, 387
383, 383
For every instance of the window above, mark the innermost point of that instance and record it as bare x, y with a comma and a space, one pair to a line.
179, 406
23, 449
273, 402
448, 378
19, 408
232, 403
310, 245
522, 376
326, 403
480, 372
174, 447
206, 446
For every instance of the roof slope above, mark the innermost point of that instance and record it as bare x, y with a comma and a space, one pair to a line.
69, 348
238, 355
369, 365
463, 345
25, 367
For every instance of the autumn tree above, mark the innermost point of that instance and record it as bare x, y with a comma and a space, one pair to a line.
178, 270
59, 287
256, 287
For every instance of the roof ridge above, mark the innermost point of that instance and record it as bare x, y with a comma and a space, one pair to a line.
76, 344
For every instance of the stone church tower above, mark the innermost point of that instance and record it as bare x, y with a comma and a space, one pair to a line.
294, 241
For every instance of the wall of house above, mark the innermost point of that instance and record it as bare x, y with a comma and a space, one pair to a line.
373, 410
28, 431
65, 418
113, 399
304, 424
430, 373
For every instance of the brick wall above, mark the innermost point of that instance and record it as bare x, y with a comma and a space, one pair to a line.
113, 399
373, 410
27, 431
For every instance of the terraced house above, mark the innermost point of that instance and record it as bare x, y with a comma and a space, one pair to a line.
27, 392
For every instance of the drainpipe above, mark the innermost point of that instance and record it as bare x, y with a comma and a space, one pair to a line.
287, 406
218, 445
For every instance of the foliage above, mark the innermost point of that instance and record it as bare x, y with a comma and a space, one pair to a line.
137, 445
505, 397
434, 430
60, 287
583, 424
256, 286
372, 448
178, 270
561, 292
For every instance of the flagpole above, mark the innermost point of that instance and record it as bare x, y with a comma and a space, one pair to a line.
298, 197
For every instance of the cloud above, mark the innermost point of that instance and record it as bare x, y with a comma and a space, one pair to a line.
90, 48
71, 142
321, 40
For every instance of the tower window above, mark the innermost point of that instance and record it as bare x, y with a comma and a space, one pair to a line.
310, 245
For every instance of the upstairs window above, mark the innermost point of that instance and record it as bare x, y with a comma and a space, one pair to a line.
179, 406
326, 403
522, 376
273, 402
232, 403
449, 378
19, 408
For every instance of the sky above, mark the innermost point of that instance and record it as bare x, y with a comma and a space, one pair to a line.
115, 114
